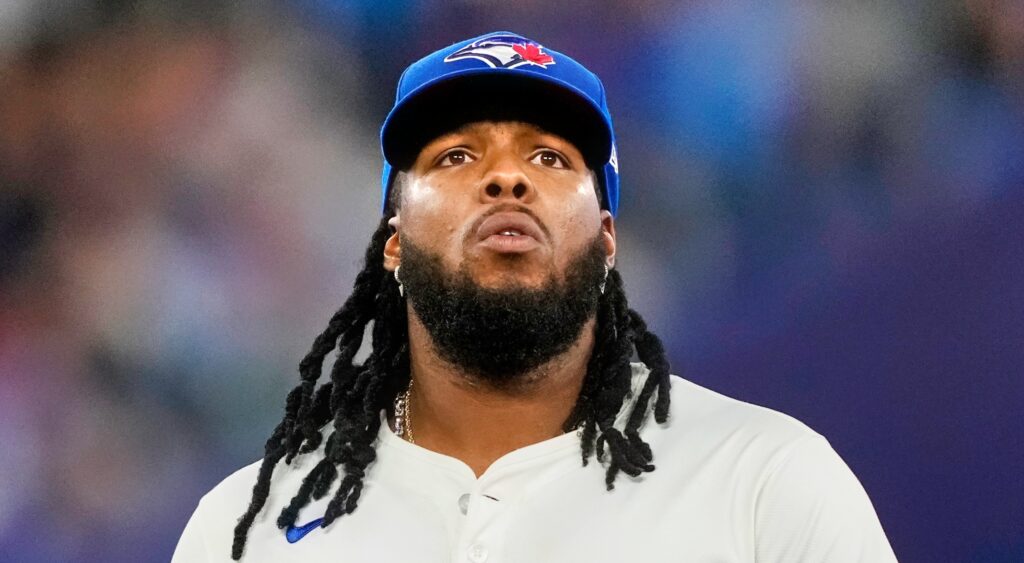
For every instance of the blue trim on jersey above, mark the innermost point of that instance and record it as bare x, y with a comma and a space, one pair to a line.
295, 534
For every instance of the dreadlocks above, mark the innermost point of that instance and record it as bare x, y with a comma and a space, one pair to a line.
354, 396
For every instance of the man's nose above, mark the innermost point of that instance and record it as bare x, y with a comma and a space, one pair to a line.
506, 178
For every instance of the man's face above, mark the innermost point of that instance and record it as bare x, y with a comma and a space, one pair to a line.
502, 246
507, 202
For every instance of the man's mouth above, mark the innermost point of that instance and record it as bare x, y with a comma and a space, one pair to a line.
510, 241
509, 232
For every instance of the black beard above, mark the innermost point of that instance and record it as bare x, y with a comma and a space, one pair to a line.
501, 335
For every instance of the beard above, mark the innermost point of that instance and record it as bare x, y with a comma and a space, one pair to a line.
500, 336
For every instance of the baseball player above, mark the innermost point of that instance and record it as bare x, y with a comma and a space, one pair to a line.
498, 416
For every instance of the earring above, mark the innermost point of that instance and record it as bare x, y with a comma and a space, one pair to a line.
605, 280
401, 290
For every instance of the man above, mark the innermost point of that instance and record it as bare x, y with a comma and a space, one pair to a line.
498, 417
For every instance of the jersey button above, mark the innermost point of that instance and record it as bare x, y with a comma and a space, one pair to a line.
464, 503
477, 553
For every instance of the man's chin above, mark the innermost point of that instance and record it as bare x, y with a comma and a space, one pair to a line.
511, 286
512, 280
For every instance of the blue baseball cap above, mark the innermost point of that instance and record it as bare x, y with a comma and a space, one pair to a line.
500, 76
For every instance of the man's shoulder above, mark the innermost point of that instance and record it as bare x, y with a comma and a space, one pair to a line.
695, 403
704, 420
209, 532
235, 486
232, 495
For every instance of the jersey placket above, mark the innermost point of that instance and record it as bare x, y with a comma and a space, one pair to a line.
482, 532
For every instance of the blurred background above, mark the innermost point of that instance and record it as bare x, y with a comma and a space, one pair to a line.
822, 213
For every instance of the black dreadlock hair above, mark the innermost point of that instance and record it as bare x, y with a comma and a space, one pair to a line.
356, 394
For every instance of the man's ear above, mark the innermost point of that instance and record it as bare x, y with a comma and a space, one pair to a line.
608, 232
393, 246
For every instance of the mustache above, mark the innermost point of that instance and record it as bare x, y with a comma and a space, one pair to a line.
501, 208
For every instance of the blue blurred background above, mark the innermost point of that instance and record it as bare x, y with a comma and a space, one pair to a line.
822, 213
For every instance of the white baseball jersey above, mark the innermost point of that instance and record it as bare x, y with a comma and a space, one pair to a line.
734, 483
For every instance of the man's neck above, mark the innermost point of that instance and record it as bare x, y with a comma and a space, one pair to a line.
454, 413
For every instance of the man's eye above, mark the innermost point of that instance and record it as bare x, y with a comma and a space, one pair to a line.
550, 159
455, 158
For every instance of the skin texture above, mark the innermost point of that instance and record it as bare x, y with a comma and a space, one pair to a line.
456, 182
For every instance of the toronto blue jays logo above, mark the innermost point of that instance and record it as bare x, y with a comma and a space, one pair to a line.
504, 51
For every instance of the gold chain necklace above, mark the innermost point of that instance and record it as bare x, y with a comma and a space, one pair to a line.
403, 415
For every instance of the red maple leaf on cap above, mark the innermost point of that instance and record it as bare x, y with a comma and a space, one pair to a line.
531, 52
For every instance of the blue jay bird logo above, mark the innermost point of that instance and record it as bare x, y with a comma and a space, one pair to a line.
504, 51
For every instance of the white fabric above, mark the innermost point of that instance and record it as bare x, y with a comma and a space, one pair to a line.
734, 483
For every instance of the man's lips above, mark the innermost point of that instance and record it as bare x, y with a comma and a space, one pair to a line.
509, 231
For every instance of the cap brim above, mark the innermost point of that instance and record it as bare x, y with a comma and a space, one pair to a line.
494, 94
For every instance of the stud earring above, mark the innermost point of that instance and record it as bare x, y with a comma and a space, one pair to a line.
401, 290
605, 280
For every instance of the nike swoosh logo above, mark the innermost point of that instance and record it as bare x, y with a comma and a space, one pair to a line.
295, 534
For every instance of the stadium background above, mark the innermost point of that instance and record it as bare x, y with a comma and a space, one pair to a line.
821, 213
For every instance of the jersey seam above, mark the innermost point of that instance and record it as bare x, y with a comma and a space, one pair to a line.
771, 470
